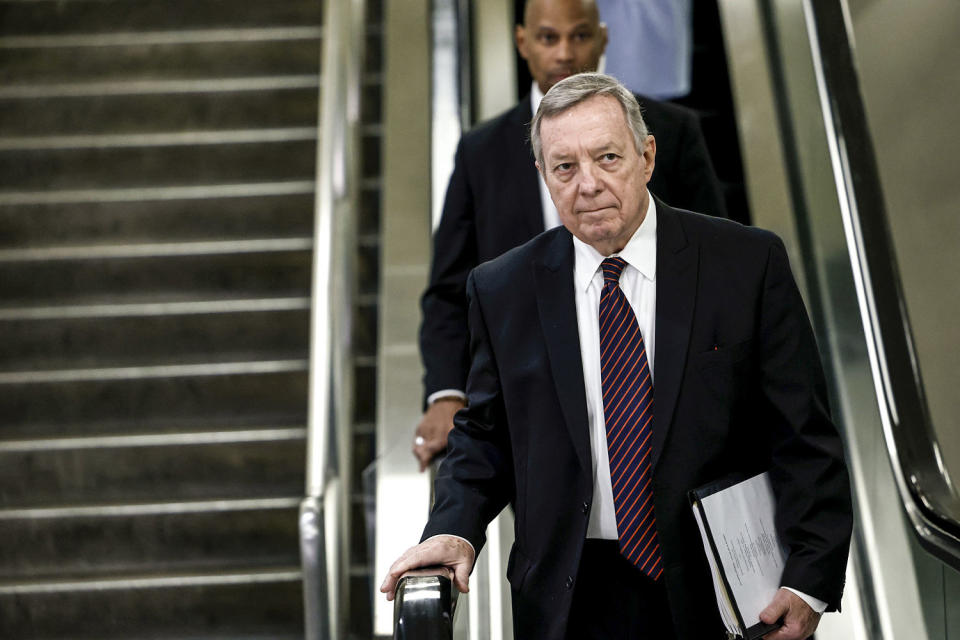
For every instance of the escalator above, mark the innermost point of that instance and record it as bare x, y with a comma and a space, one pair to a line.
847, 133
813, 84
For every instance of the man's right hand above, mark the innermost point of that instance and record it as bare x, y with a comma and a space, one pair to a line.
434, 427
448, 551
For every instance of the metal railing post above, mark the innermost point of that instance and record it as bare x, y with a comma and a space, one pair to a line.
323, 525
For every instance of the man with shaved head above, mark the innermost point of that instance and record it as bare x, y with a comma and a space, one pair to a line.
496, 201
619, 361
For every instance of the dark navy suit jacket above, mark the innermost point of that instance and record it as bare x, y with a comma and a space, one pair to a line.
738, 388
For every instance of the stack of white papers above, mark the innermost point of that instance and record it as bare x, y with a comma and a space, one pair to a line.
746, 558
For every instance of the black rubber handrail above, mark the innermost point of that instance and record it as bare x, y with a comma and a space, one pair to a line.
424, 605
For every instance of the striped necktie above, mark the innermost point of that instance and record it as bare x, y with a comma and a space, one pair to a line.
628, 413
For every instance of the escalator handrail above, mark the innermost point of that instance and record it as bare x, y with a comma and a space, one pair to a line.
930, 498
424, 605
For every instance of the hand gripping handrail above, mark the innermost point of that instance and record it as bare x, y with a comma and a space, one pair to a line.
424, 605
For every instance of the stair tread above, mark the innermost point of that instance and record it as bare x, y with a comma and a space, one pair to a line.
221, 474
188, 435
155, 508
134, 580
143, 166
111, 15
26, 66
271, 105
111, 251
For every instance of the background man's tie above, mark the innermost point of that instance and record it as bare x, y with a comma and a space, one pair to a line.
628, 412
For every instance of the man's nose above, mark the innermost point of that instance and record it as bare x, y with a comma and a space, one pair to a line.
564, 50
590, 183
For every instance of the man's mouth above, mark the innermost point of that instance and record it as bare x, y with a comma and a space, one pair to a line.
594, 210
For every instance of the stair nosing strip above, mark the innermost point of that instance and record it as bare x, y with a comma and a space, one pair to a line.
145, 194
157, 371
164, 37
157, 250
156, 309
149, 508
162, 139
154, 440
247, 577
135, 87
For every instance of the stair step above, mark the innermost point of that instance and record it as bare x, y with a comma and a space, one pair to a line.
158, 193
155, 278
139, 113
163, 538
160, 56
78, 16
142, 405
253, 605
175, 220
184, 161
125, 341
30, 477
93, 88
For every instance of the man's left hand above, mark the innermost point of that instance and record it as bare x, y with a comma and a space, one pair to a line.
799, 620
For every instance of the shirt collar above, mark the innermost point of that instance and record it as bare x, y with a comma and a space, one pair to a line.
535, 97
640, 252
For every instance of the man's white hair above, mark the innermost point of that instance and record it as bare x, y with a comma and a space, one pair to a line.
571, 91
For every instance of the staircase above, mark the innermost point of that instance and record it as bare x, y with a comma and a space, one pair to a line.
157, 169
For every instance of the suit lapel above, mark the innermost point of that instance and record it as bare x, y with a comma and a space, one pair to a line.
677, 261
526, 195
558, 319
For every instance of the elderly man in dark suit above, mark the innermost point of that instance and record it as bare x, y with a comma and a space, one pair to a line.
495, 200
618, 362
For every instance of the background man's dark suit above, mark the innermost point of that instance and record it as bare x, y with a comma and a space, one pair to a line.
738, 387
493, 204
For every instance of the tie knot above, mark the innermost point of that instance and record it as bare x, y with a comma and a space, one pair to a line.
612, 268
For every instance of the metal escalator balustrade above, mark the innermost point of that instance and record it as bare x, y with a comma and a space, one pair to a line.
931, 499
325, 521
156, 204
816, 109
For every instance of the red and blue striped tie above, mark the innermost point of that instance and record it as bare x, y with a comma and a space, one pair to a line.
628, 412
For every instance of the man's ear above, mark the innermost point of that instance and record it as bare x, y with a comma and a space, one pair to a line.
650, 156
602, 35
539, 168
520, 39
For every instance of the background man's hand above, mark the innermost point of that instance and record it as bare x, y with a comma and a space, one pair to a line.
434, 427
449, 551
799, 620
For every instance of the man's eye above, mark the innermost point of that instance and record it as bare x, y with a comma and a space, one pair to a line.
563, 167
609, 157
582, 37
548, 38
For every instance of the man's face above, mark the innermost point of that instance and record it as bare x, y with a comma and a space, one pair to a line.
560, 38
595, 175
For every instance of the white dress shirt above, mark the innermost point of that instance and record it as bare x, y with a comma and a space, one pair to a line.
639, 284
